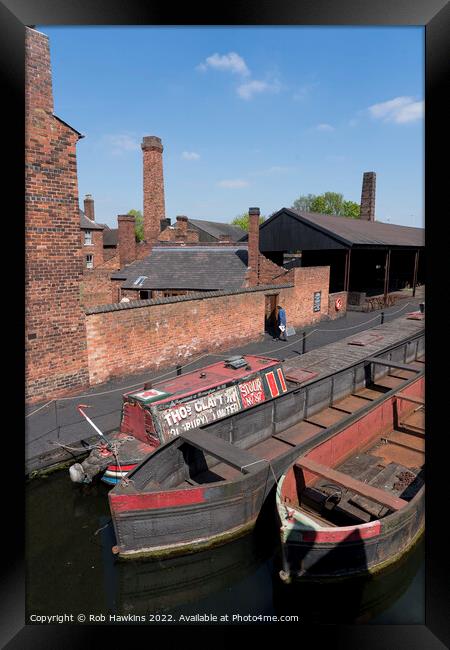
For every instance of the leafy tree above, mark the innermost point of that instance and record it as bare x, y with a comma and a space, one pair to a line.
328, 203
139, 224
242, 221
304, 202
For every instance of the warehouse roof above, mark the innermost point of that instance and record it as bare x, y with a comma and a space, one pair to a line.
188, 267
216, 229
356, 232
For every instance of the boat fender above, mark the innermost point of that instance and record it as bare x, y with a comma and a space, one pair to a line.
338, 304
77, 474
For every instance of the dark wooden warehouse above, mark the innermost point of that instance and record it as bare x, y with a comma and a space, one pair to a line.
364, 256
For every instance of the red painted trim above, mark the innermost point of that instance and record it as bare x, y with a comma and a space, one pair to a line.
281, 378
154, 500
272, 384
340, 535
122, 468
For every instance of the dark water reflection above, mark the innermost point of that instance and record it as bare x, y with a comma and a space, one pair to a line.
70, 569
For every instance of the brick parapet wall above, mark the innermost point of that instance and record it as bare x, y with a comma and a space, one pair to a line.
97, 288
55, 334
334, 313
151, 334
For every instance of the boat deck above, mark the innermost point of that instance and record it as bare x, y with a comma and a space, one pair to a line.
279, 443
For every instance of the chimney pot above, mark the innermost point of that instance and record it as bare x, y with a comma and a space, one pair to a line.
89, 207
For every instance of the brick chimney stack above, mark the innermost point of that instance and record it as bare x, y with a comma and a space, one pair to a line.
89, 207
127, 239
154, 210
182, 225
253, 246
367, 210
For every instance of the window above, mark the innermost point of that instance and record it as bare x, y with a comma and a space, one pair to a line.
89, 261
139, 281
144, 295
88, 237
317, 300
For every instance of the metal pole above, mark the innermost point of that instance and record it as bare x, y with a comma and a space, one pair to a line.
386, 275
304, 343
345, 271
416, 265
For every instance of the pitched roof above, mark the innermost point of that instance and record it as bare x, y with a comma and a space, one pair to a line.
215, 229
110, 236
88, 224
358, 231
188, 267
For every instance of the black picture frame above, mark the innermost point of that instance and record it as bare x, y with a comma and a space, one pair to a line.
434, 15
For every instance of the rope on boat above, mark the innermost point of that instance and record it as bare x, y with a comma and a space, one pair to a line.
263, 460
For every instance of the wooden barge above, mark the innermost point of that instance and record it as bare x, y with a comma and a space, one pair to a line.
354, 503
208, 485
157, 413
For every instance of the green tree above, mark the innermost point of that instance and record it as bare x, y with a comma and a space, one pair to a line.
139, 224
304, 202
327, 203
242, 221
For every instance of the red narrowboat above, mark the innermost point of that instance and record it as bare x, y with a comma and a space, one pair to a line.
207, 485
157, 413
354, 503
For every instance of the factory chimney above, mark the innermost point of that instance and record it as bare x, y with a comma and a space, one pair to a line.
154, 210
253, 246
367, 209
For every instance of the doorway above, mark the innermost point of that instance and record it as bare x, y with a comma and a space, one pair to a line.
270, 316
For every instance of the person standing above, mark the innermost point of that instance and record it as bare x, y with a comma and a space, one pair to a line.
281, 323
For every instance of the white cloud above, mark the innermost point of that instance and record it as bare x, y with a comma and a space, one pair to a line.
399, 110
303, 92
230, 62
275, 170
247, 90
190, 155
324, 127
121, 142
237, 183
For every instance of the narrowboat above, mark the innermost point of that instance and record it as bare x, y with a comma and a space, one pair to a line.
354, 503
207, 485
157, 413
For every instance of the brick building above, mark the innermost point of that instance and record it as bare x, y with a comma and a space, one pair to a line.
55, 333
91, 236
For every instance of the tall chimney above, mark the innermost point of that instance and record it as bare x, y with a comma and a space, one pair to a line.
127, 239
154, 209
89, 207
367, 210
253, 246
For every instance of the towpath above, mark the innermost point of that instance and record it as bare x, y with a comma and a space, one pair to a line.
51, 423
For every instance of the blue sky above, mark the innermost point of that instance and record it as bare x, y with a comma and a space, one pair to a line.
248, 116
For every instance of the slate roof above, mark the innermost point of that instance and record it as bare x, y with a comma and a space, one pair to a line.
88, 224
357, 231
207, 268
110, 237
215, 229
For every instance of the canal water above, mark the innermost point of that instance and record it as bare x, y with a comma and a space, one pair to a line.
71, 570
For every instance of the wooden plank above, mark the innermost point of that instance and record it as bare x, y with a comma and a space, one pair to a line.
414, 400
220, 449
326, 417
365, 490
392, 364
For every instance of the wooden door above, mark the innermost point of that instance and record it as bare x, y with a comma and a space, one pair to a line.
270, 321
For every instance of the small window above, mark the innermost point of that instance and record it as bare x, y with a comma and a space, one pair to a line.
139, 281
144, 295
317, 300
89, 261
88, 237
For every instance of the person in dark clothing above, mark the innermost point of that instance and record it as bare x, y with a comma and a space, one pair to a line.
281, 322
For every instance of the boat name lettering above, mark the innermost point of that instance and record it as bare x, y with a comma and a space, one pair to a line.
252, 392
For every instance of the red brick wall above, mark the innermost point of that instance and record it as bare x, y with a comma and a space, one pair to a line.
97, 288
154, 208
159, 335
334, 313
55, 335
95, 249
